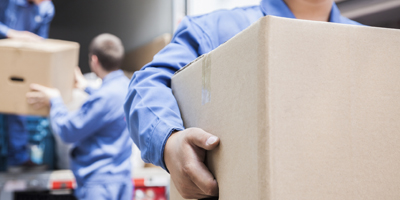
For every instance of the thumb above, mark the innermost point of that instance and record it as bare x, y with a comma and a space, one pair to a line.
202, 139
77, 72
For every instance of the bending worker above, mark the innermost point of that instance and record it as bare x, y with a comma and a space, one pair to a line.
100, 157
27, 20
152, 112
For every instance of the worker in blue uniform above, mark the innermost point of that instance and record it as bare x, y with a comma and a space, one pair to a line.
152, 113
100, 156
27, 20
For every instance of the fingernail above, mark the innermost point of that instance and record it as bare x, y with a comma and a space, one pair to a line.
211, 140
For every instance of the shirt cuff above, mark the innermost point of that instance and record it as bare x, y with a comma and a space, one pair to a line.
56, 101
158, 141
89, 90
4, 30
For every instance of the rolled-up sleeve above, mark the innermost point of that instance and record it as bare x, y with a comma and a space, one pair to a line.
151, 110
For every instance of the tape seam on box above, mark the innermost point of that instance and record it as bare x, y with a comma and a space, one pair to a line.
206, 80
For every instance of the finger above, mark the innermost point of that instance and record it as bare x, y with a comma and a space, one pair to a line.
38, 106
31, 101
37, 87
189, 190
184, 186
202, 139
78, 70
34, 36
202, 177
34, 95
34, 100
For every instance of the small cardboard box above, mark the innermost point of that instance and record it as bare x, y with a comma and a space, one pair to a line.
139, 57
304, 110
50, 63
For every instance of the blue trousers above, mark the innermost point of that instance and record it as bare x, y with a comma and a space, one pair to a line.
18, 137
105, 191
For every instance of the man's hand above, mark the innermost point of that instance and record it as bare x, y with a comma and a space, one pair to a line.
184, 157
41, 95
80, 81
23, 35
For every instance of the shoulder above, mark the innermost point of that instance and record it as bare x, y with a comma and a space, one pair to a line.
115, 88
219, 26
236, 17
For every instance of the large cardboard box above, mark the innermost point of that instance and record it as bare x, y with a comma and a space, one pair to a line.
139, 57
305, 110
50, 63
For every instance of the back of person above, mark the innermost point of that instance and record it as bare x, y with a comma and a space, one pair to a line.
100, 156
101, 162
93, 158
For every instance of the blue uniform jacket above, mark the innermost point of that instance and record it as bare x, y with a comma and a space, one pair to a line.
101, 143
151, 110
23, 16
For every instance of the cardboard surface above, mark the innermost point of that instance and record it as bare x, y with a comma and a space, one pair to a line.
50, 63
305, 110
136, 59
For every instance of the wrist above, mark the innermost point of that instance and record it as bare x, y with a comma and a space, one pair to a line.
56, 101
168, 148
167, 152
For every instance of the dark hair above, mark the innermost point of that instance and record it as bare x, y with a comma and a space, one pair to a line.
109, 50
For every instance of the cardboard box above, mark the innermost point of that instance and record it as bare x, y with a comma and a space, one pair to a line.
50, 63
139, 57
305, 110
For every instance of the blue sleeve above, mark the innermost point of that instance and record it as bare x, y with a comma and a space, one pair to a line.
89, 90
3, 28
151, 110
43, 30
76, 126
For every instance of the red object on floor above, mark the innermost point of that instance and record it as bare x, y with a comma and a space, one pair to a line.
150, 193
56, 185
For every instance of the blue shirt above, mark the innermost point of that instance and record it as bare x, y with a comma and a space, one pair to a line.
101, 143
151, 110
21, 15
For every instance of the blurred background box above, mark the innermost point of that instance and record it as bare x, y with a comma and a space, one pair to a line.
49, 62
137, 58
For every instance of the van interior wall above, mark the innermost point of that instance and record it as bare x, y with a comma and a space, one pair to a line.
136, 22
382, 13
